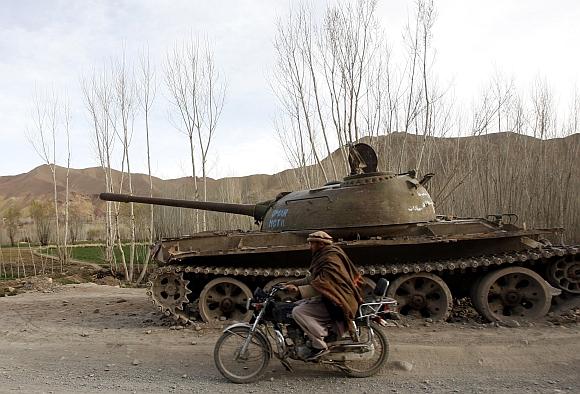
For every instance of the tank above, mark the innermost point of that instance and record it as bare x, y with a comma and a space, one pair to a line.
386, 223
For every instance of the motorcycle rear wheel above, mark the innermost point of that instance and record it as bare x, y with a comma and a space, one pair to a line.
248, 368
366, 368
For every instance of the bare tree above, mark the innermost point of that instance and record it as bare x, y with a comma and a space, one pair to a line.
98, 97
573, 121
124, 100
12, 217
329, 81
110, 96
426, 13
197, 92
41, 214
503, 94
293, 143
46, 119
413, 96
543, 114
183, 78
295, 70
67, 124
147, 90
543, 126
214, 96
3, 272
80, 212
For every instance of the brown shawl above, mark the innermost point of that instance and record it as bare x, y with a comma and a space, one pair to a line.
337, 279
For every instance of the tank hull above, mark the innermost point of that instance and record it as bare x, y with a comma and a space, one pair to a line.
458, 253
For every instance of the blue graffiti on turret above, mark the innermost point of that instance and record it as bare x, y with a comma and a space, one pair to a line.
278, 218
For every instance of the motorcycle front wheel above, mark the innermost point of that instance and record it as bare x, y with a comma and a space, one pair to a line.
369, 367
241, 368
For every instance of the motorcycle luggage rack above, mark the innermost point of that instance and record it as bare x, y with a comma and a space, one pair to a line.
369, 309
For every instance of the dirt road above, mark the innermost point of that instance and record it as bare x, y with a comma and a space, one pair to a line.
91, 338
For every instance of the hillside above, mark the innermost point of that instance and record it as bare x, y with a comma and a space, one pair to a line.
505, 172
37, 184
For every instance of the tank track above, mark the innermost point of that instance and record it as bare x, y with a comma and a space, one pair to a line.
474, 263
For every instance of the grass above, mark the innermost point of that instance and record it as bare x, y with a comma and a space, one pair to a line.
17, 264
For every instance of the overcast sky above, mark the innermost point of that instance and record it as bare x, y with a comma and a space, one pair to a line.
51, 44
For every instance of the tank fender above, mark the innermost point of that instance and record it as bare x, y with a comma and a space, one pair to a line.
531, 243
155, 249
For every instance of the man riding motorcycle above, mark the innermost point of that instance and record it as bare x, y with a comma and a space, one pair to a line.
336, 282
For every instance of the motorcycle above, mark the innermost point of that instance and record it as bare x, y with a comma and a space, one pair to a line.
243, 351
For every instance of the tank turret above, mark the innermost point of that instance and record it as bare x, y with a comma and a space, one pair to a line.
364, 199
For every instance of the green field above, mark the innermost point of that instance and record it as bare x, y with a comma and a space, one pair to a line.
17, 263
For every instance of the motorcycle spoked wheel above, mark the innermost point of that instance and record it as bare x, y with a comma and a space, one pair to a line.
249, 367
366, 368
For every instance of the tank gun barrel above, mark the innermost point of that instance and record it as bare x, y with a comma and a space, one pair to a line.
257, 211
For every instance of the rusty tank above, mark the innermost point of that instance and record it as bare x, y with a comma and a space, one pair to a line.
386, 223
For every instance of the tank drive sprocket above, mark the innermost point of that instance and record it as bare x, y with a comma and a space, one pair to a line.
169, 292
564, 273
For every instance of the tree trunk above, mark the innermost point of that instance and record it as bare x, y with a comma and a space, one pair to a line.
195, 191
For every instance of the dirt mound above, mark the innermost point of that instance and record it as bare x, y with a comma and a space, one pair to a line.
39, 283
43, 284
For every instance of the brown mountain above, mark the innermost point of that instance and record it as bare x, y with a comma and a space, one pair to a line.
20, 190
505, 172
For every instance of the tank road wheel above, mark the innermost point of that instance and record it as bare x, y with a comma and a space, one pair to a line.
169, 292
513, 293
565, 274
422, 295
224, 299
281, 295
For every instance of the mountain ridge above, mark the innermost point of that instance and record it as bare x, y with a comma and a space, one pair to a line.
507, 165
